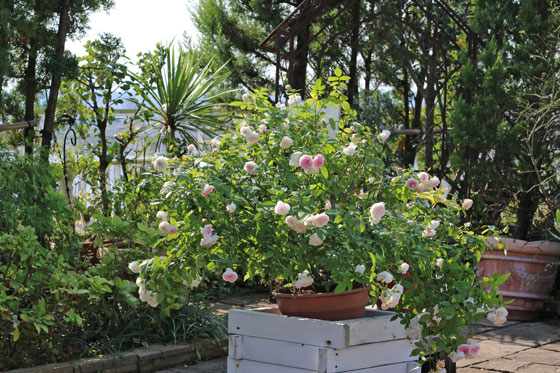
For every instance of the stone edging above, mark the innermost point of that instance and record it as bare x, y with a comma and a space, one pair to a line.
144, 359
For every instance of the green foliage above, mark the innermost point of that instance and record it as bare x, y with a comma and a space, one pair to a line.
260, 241
178, 93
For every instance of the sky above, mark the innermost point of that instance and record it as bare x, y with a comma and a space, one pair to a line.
140, 24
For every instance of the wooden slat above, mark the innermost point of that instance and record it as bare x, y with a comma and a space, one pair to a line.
248, 366
365, 356
297, 355
290, 329
375, 327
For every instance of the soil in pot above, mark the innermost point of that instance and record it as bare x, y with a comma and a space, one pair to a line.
325, 306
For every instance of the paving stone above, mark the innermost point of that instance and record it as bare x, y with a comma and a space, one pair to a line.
526, 334
537, 355
539, 368
473, 370
501, 365
552, 346
252, 300
218, 365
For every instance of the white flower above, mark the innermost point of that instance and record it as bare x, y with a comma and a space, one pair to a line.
281, 208
281, 106
231, 207
349, 150
376, 212
135, 267
433, 182
390, 298
385, 277
162, 215
304, 280
207, 190
455, 356
294, 100
194, 283
404, 268
167, 228
362, 194
251, 168
384, 135
328, 205
246, 97
314, 240
295, 224
210, 240
160, 163
501, 312
252, 137
439, 262
245, 129
434, 224
286, 142
429, 233
191, 148
467, 204
294, 159
360, 268
262, 128
320, 220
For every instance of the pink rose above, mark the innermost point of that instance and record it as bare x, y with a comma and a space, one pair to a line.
306, 162
251, 168
320, 220
474, 348
207, 190
377, 211
229, 275
412, 183
206, 230
252, 137
455, 356
464, 349
424, 177
318, 161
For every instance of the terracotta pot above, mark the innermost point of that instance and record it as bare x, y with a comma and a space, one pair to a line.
533, 267
325, 306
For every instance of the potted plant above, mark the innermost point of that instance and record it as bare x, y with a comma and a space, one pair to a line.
281, 200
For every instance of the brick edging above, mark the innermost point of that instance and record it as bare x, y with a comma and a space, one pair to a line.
143, 359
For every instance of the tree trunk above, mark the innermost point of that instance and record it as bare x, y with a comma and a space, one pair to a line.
30, 81
406, 116
353, 98
525, 211
409, 152
48, 126
103, 165
300, 61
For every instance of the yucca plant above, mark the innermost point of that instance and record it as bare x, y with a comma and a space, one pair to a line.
178, 95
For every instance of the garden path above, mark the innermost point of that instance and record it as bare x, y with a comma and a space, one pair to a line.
531, 347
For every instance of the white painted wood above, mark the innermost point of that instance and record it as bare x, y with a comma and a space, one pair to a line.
235, 350
248, 366
375, 327
297, 355
393, 368
290, 329
368, 355
413, 367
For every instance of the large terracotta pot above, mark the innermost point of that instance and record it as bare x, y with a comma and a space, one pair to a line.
533, 267
325, 306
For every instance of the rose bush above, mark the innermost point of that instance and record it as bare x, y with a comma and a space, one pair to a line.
309, 203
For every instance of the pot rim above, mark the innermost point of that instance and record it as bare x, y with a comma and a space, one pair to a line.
318, 295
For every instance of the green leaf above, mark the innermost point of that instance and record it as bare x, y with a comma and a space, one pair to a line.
324, 172
15, 334
338, 72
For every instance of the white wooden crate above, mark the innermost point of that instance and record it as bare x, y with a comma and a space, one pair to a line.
262, 340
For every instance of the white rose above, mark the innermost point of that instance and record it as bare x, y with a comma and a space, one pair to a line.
210, 240
404, 268
467, 204
428, 233
281, 106
384, 135
262, 128
286, 142
433, 182
252, 137
314, 240
360, 268
385, 277
245, 130
320, 220
160, 163
231, 207
439, 262
162, 215
294, 159
281, 208
191, 148
377, 211
423, 177
135, 267
349, 150
434, 224
304, 280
